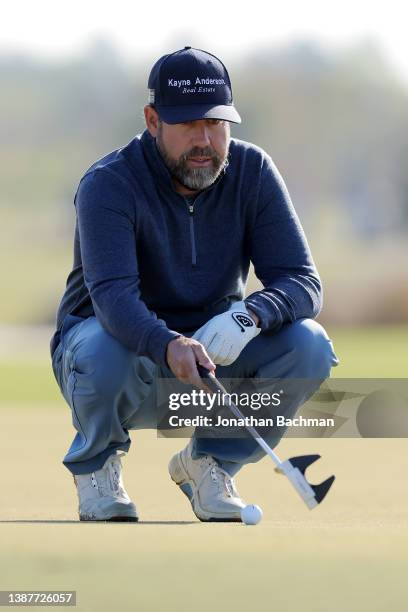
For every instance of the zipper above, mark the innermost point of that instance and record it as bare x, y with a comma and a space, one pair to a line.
192, 233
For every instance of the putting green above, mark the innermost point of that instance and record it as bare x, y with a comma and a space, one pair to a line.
348, 554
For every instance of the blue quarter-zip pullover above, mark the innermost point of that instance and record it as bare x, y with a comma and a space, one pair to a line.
151, 264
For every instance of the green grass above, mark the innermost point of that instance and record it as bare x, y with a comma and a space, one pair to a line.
348, 555
28, 382
36, 299
375, 352
371, 352
210, 568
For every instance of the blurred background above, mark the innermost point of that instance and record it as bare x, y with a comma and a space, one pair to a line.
322, 88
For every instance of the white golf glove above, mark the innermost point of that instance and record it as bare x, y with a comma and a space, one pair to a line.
227, 334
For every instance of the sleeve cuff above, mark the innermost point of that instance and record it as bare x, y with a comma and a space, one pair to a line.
265, 316
157, 342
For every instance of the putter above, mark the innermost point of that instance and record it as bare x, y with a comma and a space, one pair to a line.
294, 468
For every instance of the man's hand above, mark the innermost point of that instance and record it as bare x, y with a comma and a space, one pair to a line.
227, 334
182, 355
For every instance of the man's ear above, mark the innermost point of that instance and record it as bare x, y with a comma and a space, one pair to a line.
152, 120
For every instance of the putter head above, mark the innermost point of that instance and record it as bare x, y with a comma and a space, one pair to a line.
293, 468
302, 463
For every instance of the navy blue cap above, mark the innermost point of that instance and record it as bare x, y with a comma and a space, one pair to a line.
191, 84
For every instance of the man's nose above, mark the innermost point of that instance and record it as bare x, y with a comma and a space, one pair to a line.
201, 134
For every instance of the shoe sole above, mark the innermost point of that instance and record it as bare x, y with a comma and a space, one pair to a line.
117, 513
179, 475
114, 512
114, 519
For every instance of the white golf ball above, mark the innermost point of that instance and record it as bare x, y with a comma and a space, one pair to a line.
251, 514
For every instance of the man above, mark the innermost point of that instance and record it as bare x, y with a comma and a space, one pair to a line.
166, 228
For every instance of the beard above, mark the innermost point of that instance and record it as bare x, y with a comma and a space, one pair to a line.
193, 178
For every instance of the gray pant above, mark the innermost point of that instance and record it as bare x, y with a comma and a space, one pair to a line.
109, 388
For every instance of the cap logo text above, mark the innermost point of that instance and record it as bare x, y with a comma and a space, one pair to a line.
178, 82
209, 81
171, 82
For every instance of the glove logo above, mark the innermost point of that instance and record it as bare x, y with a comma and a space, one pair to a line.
242, 320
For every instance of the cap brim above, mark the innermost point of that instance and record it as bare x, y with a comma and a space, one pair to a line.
179, 114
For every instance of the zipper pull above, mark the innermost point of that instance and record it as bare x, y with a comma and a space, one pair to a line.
191, 208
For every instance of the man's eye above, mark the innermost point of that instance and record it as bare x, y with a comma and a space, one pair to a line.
209, 122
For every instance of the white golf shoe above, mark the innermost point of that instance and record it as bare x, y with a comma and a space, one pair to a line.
210, 489
102, 495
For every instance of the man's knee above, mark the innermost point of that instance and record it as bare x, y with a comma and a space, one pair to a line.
313, 349
104, 361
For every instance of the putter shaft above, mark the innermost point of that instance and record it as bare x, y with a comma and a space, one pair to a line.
312, 495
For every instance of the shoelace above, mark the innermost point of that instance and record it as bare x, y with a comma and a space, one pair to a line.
115, 474
114, 478
219, 476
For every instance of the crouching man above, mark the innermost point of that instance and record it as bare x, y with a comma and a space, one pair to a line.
166, 228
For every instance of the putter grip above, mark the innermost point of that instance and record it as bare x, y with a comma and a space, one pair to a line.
210, 379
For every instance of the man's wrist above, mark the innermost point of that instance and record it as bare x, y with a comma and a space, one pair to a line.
253, 316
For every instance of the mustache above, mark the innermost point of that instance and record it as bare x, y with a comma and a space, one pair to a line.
200, 152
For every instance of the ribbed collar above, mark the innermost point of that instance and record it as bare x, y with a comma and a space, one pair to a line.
159, 168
